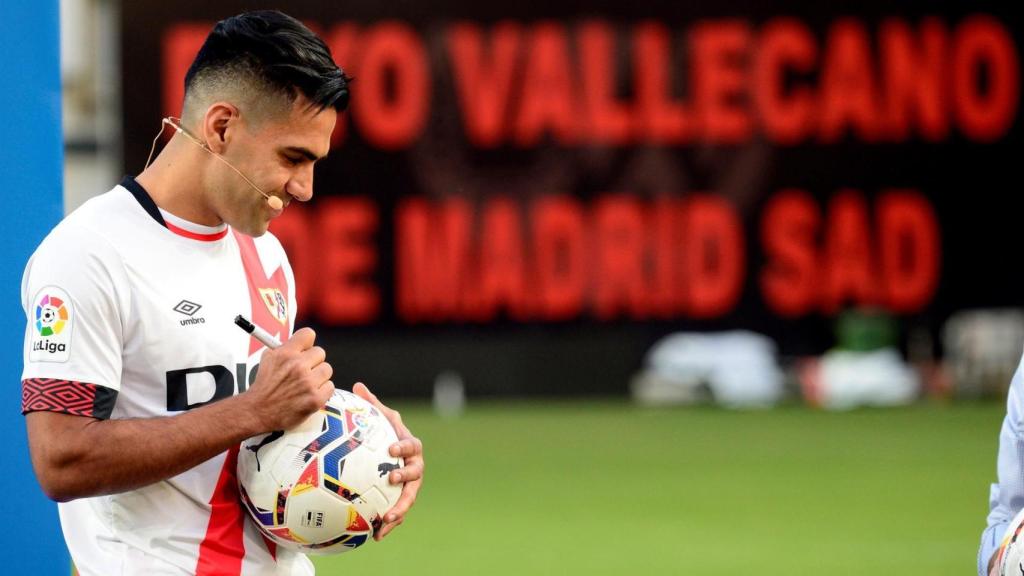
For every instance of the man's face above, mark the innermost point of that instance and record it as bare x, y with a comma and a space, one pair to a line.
277, 153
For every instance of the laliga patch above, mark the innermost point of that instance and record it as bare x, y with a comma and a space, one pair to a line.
52, 322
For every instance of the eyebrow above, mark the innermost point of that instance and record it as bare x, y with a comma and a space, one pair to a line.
305, 152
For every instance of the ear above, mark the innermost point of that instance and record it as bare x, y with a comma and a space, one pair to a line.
221, 118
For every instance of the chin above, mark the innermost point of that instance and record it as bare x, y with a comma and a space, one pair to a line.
254, 230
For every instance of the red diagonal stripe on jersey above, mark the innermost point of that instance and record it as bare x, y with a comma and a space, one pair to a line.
271, 546
222, 549
257, 279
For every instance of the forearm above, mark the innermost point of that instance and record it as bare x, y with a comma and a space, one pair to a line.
75, 456
109, 456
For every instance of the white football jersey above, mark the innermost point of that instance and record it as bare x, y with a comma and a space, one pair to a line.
131, 315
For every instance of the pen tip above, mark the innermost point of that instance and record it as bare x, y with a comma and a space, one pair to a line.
243, 323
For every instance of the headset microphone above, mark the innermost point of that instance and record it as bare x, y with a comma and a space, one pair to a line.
274, 202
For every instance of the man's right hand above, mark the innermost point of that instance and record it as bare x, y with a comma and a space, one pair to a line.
293, 382
79, 456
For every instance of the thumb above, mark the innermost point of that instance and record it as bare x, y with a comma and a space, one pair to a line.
302, 339
360, 389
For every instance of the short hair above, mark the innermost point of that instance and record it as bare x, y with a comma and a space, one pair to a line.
272, 51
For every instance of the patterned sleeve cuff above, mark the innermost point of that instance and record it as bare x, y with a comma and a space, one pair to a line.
67, 396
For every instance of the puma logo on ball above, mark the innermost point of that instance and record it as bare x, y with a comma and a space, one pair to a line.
386, 467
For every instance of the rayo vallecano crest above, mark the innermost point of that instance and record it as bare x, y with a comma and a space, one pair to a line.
275, 302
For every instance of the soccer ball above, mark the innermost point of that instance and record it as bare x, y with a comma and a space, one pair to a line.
1010, 560
322, 487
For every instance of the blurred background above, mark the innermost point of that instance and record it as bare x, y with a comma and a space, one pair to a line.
677, 288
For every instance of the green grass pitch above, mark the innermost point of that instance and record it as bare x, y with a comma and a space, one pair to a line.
608, 488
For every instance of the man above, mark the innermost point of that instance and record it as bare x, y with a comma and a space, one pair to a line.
1006, 497
138, 387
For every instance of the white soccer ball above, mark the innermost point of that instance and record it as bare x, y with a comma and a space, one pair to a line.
1011, 552
322, 487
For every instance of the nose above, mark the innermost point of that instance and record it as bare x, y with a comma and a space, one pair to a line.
300, 186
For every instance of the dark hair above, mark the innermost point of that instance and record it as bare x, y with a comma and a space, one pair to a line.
276, 51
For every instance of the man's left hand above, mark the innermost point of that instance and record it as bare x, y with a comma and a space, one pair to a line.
408, 447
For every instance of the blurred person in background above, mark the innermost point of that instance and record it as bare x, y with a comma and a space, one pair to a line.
132, 297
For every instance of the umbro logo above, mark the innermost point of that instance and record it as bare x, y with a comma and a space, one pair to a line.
189, 309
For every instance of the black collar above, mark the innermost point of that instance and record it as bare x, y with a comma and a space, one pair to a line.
143, 197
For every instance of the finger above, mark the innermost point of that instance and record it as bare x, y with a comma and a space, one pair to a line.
403, 433
396, 515
395, 418
405, 502
323, 372
408, 473
386, 529
302, 339
406, 448
324, 392
314, 356
360, 389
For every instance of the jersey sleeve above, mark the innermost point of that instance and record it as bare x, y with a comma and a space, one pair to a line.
1006, 496
74, 295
